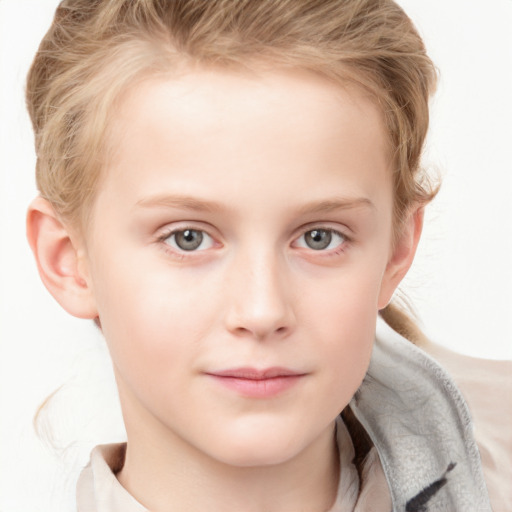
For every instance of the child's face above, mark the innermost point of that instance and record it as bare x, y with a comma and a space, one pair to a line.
244, 223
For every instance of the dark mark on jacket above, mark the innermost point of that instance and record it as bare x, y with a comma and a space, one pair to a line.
419, 502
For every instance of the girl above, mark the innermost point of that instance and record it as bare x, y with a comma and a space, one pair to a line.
232, 191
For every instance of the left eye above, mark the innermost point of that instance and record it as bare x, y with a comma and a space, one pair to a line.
189, 240
321, 239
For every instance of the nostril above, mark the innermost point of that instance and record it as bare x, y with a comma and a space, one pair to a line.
261, 333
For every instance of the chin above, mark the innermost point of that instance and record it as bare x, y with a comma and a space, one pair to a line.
256, 455
263, 446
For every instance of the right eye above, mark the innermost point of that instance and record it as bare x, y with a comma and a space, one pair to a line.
188, 240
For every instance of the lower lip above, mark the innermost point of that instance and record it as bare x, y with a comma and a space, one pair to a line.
259, 388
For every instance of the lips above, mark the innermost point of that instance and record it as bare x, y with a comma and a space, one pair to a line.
256, 383
254, 374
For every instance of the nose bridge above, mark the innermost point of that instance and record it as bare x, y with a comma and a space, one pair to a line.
260, 302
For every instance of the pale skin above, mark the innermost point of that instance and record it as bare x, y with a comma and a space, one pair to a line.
287, 179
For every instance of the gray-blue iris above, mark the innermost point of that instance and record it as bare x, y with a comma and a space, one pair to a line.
189, 239
318, 239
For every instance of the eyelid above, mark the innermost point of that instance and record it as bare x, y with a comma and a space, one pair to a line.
335, 227
183, 225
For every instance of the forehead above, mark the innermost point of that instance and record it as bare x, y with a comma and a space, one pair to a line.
211, 126
206, 98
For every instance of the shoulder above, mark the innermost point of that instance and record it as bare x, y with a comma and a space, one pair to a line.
487, 388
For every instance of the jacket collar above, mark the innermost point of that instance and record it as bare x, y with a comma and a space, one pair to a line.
420, 424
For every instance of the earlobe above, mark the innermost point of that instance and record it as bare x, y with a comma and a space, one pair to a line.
402, 256
58, 260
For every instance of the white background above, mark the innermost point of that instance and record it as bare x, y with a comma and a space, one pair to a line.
460, 285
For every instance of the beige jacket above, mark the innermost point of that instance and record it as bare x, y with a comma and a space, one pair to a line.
487, 388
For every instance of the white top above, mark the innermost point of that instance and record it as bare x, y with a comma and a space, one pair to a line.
98, 489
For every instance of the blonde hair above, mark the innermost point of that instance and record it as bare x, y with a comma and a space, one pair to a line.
96, 49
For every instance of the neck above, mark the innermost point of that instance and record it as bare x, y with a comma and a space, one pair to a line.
166, 473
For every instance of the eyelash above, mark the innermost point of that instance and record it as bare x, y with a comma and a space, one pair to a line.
183, 253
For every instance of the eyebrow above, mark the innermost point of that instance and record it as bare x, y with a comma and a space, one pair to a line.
201, 205
329, 205
180, 202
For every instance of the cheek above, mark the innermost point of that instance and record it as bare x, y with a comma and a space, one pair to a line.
150, 320
350, 341
345, 319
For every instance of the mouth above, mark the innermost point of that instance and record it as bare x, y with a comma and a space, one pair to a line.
255, 383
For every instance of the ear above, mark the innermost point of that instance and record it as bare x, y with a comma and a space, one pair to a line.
402, 256
59, 260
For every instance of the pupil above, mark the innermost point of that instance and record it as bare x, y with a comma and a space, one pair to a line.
189, 239
318, 239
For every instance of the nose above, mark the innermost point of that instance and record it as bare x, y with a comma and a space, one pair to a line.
260, 299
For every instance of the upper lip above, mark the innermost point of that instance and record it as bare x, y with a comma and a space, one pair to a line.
256, 374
